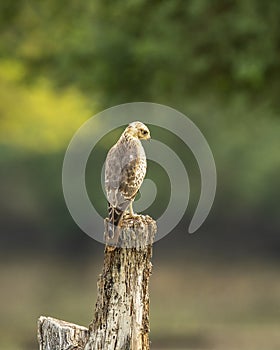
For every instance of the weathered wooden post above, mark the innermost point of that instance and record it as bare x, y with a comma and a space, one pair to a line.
121, 318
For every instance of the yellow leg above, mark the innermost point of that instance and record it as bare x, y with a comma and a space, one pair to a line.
131, 212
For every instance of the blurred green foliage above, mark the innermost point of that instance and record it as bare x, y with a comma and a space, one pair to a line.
216, 61
36, 117
125, 50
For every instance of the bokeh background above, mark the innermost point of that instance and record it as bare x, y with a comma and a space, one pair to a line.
217, 62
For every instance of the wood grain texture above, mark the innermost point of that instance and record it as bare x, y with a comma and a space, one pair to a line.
55, 334
121, 318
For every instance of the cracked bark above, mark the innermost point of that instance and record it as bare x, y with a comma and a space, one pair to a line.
121, 318
55, 334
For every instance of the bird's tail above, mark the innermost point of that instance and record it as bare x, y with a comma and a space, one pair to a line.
115, 215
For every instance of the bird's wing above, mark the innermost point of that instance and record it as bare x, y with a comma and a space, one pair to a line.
113, 169
132, 176
125, 169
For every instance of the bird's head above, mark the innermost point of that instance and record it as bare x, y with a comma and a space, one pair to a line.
138, 130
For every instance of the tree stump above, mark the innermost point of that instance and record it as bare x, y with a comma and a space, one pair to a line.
55, 334
121, 318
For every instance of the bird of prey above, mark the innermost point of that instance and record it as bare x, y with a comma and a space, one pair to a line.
125, 169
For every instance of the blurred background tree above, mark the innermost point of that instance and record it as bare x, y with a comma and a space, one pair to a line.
217, 62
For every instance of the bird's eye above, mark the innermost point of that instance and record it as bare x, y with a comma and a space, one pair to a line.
144, 132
